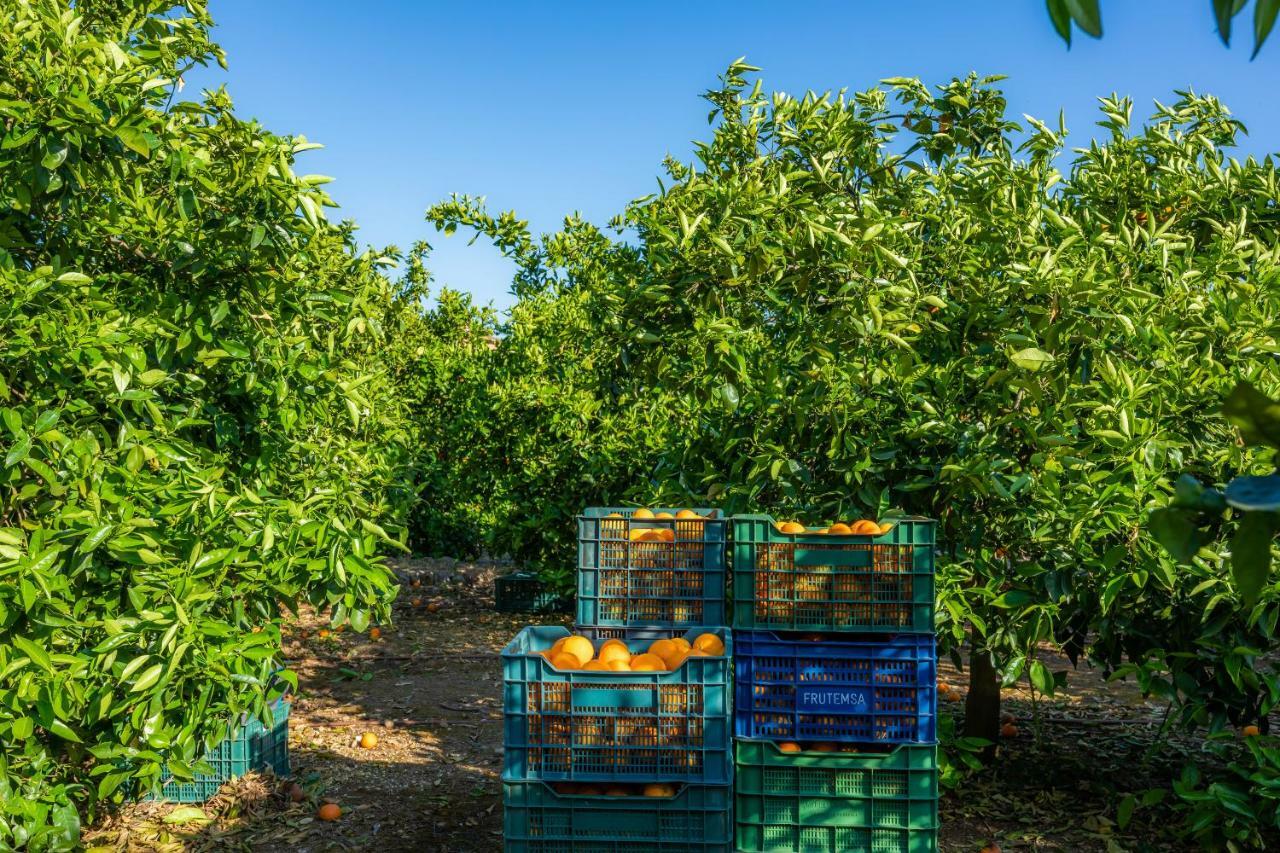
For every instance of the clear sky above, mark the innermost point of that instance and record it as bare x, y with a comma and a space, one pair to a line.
554, 107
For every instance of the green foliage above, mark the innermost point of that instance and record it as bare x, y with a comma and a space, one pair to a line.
899, 298
1240, 811
1087, 15
194, 427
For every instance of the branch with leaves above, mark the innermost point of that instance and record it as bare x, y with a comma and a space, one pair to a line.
1087, 16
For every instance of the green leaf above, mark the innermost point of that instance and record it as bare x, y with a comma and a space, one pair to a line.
1255, 414
1264, 18
1031, 359
1061, 18
1086, 15
1251, 554
1041, 678
1124, 812
95, 538
148, 678
37, 653
74, 278
63, 731
1223, 12
134, 139
186, 814
1173, 528
18, 451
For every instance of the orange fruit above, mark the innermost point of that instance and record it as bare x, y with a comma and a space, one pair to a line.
642, 513
580, 647
991, 848
637, 533
564, 660
687, 514
595, 666
323, 633
682, 644
375, 633
648, 663
886, 527
666, 534
1008, 730
329, 811
656, 789
610, 652
788, 746
1250, 731
840, 528
822, 747
416, 583
709, 643
865, 528
620, 665
417, 602
297, 793
368, 740
653, 534
791, 527
433, 607
662, 648
664, 515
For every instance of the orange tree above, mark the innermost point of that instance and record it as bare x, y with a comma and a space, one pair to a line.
900, 298
194, 427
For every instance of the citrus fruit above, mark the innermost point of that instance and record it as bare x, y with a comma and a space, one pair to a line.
620, 665
792, 527
662, 648
656, 789
865, 528
683, 644
664, 515
709, 643
564, 660
610, 652
375, 633
666, 534
642, 513
329, 811
822, 747
595, 666
788, 746
368, 740
687, 514
1250, 731
841, 528
1008, 730
886, 527
297, 793
580, 647
323, 633
648, 663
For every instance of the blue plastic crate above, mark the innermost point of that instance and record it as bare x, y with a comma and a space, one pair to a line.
591, 726
677, 582
252, 746
538, 819
868, 691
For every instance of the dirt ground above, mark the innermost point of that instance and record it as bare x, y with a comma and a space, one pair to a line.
430, 688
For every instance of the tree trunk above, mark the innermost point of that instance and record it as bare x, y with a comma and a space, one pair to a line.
982, 705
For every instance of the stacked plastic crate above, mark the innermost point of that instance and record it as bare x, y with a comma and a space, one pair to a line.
623, 760
835, 697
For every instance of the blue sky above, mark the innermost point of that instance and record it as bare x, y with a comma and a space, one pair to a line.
555, 107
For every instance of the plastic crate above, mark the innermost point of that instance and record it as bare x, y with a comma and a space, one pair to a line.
676, 583
871, 691
252, 746
523, 592
585, 726
828, 582
537, 819
880, 801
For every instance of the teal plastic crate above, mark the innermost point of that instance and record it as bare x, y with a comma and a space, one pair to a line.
835, 802
252, 746
816, 581
537, 819
592, 726
656, 572
522, 592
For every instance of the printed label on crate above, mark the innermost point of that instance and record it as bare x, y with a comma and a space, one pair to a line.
848, 700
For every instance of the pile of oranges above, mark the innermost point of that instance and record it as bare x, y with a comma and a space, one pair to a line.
577, 652
613, 789
861, 527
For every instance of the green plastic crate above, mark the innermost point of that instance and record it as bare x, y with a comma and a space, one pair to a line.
252, 746
536, 819
832, 802
523, 592
823, 582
